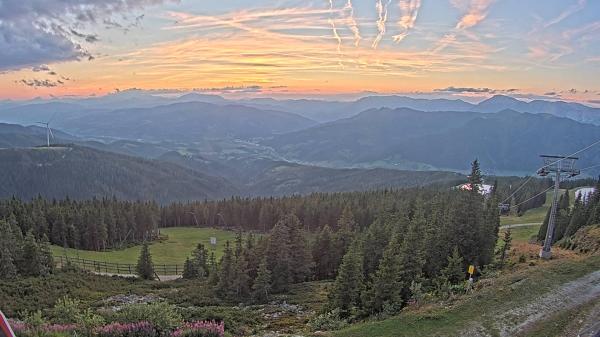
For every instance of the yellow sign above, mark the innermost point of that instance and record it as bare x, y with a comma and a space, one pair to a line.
471, 269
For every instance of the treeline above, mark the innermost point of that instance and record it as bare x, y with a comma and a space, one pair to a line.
23, 255
109, 223
584, 212
522, 197
424, 243
95, 224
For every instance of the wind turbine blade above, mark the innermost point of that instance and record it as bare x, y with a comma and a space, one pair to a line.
51, 134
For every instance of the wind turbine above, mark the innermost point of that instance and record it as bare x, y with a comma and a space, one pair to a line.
48, 131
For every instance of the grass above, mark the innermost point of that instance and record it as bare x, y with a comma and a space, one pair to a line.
174, 250
534, 215
506, 291
523, 234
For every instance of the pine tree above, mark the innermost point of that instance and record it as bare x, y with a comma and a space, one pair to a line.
190, 270
32, 259
475, 179
376, 239
322, 254
47, 261
300, 256
225, 287
145, 269
348, 285
262, 284
578, 218
386, 287
200, 260
278, 257
241, 281
8, 270
507, 242
454, 270
213, 274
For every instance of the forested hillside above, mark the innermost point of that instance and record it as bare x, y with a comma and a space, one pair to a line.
507, 141
81, 173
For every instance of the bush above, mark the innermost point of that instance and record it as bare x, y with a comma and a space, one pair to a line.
200, 329
163, 315
237, 320
139, 329
66, 310
328, 321
23, 329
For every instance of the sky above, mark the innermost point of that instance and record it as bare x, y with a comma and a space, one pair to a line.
446, 48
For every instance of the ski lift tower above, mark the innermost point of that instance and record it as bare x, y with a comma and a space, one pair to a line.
558, 165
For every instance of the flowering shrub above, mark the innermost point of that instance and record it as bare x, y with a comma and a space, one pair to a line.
22, 329
200, 329
139, 329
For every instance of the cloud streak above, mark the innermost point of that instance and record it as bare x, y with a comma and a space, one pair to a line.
409, 9
477, 11
351, 22
382, 13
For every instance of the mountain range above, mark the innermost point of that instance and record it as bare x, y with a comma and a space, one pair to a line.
219, 147
505, 142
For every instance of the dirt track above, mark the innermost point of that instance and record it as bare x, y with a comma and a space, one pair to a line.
565, 297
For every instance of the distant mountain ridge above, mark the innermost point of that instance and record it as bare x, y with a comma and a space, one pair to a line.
507, 141
313, 109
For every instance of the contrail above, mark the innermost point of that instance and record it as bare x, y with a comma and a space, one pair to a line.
351, 22
409, 9
383, 13
335, 34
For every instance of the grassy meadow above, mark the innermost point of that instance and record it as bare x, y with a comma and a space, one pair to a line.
180, 243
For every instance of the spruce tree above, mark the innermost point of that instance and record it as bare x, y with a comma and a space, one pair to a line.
386, 287
506, 245
262, 284
300, 256
200, 260
241, 281
47, 261
322, 251
454, 271
32, 259
348, 285
213, 274
225, 287
145, 269
578, 218
190, 270
278, 257
475, 178
8, 270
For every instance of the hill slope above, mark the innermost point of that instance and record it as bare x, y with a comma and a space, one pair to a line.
80, 172
264, 177
507, 141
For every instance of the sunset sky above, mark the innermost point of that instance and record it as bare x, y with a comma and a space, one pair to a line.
454, 48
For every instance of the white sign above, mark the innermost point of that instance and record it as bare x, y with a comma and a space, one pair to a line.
213, 240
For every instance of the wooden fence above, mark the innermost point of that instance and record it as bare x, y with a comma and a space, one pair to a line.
115, 268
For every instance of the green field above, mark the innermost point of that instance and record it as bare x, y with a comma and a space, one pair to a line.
535, 215
179, 245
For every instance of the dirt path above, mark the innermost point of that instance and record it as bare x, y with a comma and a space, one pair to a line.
520, 225
161, 277
566, 297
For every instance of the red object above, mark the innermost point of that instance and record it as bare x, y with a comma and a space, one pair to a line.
5, 330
